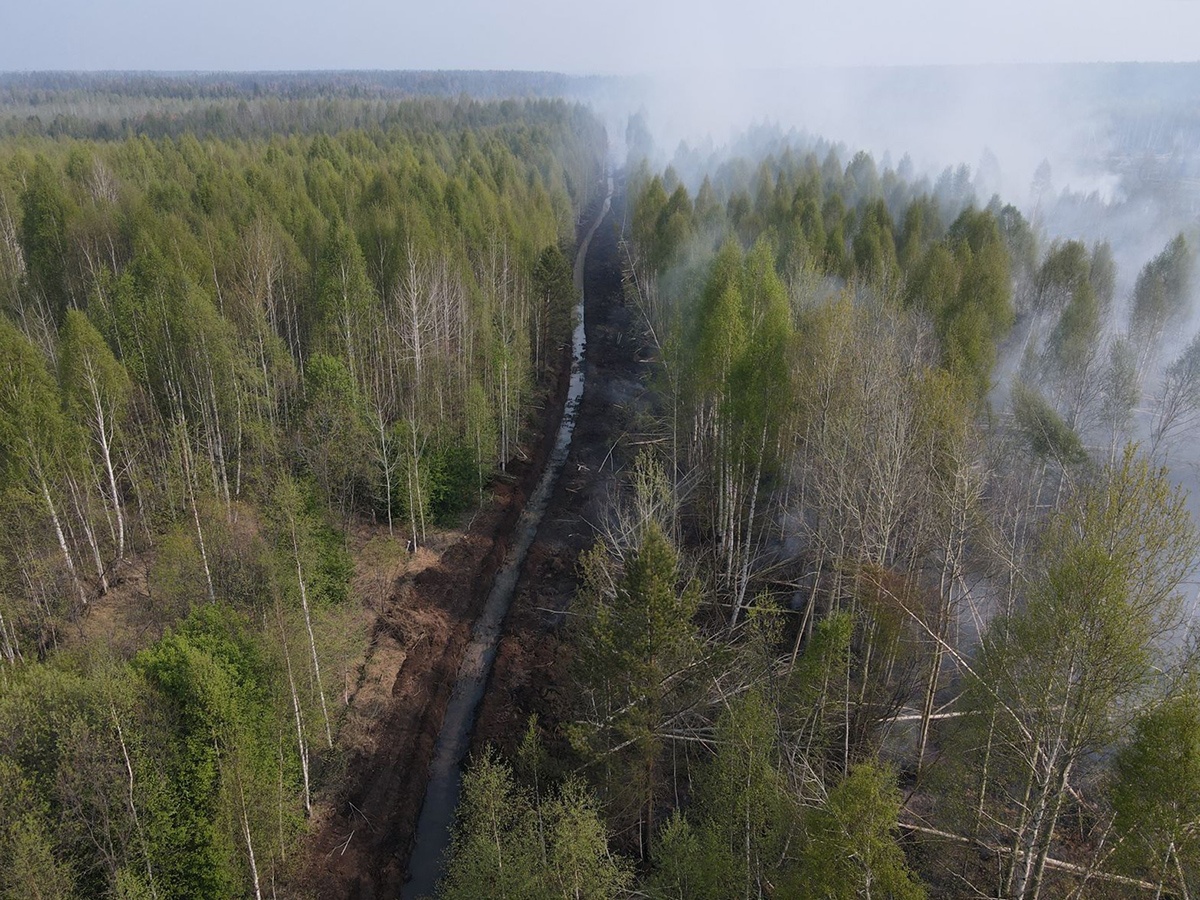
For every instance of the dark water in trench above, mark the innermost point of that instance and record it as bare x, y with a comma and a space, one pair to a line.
445, 772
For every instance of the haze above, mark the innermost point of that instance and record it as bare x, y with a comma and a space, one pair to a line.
621, 36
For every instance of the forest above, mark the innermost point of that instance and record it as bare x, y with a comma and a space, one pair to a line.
222, 361
894, 597
899, 602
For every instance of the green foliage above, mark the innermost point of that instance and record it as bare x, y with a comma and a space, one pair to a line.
1065, 268
749, 819
45, 212
333, 432
552, 275
297, 512
1155, 795
1160, 295
720, 338
736, 384
1019, 241
218, 270
206, 696
1119, 387
33, 431
511, 845
89, 373
662, 224
862, 179
1048, 435
177, 573
554, 286
214, 677
706, 209
648, 211
635, 649
963, 283
808, 704
852, 849
759, 381
830, 418
933, 285
1113, 562
453, 474
1102, 275
874, 246
330, 577
345, 297
28, 864
1074, 339
1055, 677
922, 226
983, 312
681, 870
151, 770
834, 216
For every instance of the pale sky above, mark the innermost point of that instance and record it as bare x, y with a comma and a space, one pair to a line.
603, 36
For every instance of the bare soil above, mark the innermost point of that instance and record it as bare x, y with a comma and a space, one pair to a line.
529, 675
362, 834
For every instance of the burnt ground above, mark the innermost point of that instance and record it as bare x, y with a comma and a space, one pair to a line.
529, 672
362, 834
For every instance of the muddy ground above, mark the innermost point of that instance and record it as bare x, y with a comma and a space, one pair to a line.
363, 834
529, 672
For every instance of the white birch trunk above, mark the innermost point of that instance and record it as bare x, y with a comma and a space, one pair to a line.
312, 641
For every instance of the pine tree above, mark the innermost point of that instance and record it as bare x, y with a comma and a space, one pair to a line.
852, 849
636, 650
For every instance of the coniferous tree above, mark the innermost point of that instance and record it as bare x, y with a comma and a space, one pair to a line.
634, 668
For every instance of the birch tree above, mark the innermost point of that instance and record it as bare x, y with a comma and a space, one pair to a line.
1056, 676
97, 391
1156, 796
34, 436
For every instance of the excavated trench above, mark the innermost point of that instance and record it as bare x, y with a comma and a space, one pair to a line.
445, 772
364, 827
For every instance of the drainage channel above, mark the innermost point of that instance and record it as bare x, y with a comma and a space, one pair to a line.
445, 771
